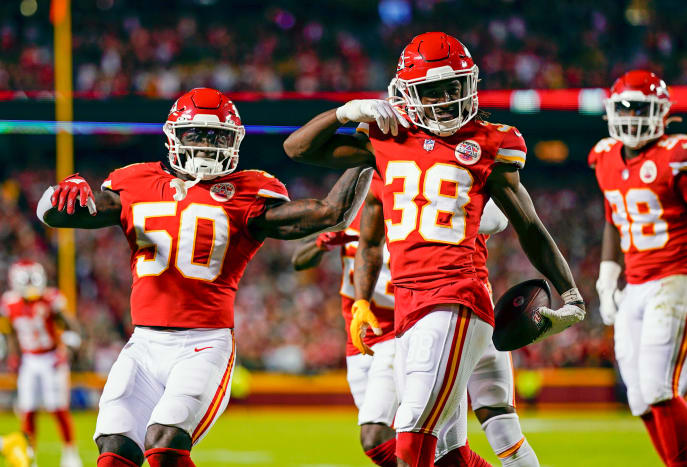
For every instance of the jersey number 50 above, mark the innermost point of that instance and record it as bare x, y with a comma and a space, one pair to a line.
187, 227
638, 219
450, 207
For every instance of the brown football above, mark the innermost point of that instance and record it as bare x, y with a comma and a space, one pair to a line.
518, 322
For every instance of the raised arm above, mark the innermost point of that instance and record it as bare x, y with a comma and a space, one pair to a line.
302, 217
514, 201
317, 142
72, 203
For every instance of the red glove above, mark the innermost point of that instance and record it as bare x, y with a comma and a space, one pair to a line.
328, 240
70, 189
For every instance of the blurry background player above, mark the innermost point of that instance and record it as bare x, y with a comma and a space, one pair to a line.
192, 223
491, 386
643, 176
36, 314
440, 165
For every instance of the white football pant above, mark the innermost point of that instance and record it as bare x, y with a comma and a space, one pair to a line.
173, 378
650, 343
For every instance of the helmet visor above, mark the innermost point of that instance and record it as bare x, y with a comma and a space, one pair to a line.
216, 138
624, 108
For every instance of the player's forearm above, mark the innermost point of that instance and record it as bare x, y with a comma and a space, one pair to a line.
368, 264
305, 144
317, 143
302, 217
108, 206
307, 256
544, 255
610, 244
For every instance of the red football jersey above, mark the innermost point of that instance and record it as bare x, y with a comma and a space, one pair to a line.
643, 200
34, 321
188, 256
433, 196
479, 259
382, 303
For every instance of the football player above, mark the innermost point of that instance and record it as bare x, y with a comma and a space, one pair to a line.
642, 173
491, 386
34, 314
440, 163
192, 225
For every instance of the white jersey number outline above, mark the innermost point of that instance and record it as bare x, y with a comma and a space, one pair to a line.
438, 203
162, 241
638, 218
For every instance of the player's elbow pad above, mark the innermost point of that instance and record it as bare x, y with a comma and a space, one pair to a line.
493, 220
44, 204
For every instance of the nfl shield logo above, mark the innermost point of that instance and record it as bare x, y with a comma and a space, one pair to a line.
429, 145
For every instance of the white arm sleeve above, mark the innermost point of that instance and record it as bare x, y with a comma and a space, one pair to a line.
44, 204
493, 220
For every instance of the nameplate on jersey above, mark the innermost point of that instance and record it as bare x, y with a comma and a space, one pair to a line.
468, 152
222, 192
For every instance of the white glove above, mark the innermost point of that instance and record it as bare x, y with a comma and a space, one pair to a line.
570, 313
71, 339
371, 110
607, 288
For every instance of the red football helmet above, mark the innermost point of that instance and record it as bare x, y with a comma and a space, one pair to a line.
28, 279
637, 108
430, 58
204, 132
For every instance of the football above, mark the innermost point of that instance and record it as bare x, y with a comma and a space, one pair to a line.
517, 321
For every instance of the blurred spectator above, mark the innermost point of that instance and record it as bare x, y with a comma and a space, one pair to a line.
161, 48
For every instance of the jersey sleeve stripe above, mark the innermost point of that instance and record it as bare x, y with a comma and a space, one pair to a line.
678, 167
363, 128
272, 194
511, 156
106, 185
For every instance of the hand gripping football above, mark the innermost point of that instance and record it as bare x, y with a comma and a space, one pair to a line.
518, 322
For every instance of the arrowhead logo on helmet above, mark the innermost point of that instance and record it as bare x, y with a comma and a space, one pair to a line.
204, 132
637, 108
442, 65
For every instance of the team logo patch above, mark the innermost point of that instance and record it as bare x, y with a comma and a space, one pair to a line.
648, 172
468, 152
222, 191
429, 145
518, 301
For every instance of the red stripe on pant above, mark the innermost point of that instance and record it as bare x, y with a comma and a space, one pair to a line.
679, 363
451, 374
211, 412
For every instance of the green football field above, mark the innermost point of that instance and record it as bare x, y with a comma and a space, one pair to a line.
323, 438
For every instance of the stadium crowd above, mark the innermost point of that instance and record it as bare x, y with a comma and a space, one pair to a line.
122, 47
286, 320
